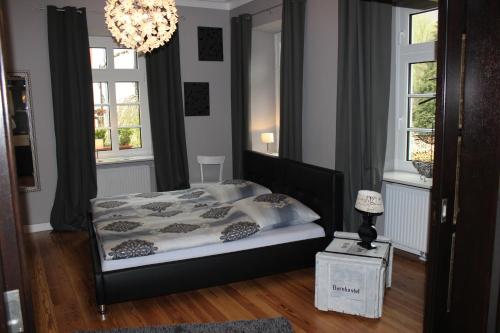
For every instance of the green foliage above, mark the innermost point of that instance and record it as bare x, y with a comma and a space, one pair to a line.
424, 114
128, 115
424, 81
424, 27
100, 134
125, 136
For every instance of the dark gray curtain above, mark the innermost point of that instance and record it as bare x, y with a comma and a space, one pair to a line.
292, 63
167, 116
73, 117
363, 98
241, 46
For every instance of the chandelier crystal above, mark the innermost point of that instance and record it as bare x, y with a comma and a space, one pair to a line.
143, 25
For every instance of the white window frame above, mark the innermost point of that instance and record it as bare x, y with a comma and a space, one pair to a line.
406, 54
111, 76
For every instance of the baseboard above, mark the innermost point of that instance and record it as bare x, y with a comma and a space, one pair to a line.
39, 227
413, 255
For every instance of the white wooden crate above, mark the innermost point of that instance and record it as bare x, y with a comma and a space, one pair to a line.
352, 280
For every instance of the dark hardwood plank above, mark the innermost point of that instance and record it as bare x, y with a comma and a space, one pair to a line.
64, 297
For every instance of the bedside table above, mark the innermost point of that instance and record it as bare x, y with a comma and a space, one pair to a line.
351, 279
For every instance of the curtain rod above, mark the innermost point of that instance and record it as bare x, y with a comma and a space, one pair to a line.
78, 10
267, 9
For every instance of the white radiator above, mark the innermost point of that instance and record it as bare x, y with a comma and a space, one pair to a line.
406, 217
125, 178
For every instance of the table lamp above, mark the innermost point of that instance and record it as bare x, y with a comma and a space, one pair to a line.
267, 138
370, 205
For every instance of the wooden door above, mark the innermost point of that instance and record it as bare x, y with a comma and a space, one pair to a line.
13, 274
463, 270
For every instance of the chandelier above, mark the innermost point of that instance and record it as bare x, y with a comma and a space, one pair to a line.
143, 25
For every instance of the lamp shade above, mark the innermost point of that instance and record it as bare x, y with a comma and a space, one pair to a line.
267, 137
143, 25
369, 202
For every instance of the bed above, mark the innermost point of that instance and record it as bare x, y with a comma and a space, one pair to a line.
265, 253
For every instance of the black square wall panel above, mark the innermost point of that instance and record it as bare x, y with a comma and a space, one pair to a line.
210, 46
197, 98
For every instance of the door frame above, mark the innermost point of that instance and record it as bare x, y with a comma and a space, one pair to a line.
463, 269
13, 270
441, 228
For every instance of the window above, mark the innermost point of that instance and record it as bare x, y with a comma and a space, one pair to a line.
421, 110
415, 86
121, 114
423, 27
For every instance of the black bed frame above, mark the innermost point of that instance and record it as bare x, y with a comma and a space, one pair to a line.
319, 188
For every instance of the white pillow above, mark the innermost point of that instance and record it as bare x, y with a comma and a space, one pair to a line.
276, 210
235, 189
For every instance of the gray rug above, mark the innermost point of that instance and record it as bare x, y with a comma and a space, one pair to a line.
275, 325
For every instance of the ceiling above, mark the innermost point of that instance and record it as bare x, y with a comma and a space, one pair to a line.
215, 4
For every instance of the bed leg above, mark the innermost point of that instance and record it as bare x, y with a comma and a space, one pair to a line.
101, 309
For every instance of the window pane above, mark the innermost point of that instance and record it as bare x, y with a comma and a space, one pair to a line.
130, 138
422, 112
101, 116
101, 93
128, 115
420, 146
423, 77
424, 27
124, 59
103, 139
98, 58
127, 92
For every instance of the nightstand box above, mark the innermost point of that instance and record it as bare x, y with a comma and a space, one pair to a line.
351, 279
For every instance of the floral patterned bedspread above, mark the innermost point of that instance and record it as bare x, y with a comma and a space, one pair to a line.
143, 224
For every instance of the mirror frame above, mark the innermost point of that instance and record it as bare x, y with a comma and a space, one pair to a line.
31, 122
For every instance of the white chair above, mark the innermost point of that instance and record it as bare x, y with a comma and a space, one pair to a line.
211, 160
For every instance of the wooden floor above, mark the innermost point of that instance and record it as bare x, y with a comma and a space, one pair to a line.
63, 296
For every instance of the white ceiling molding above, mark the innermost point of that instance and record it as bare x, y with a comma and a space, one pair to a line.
237, 3
203, 4
213, 4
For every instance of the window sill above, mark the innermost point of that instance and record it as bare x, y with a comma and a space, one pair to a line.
122, 160
407, 178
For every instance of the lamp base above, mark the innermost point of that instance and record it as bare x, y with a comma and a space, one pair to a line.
367, 232
368, 246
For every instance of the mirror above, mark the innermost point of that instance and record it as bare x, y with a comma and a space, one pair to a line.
21, 117
265, 84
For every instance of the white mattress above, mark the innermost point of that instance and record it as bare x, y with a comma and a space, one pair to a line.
265, 238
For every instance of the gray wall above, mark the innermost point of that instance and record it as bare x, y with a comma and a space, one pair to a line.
320, 74
29, 51
320, 83
262, 88
207, 135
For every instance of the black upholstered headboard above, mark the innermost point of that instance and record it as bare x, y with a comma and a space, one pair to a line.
318, 188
